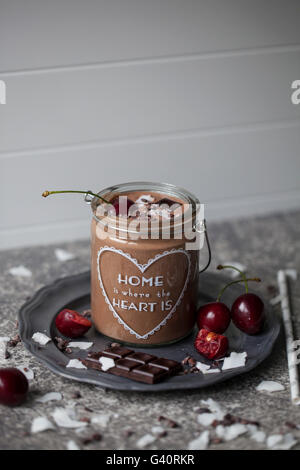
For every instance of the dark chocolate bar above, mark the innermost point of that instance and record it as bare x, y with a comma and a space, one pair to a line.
134, 365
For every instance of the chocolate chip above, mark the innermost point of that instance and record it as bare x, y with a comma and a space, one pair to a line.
216, 440
185, 360
128, 433
96, 437
191, 361
76, 395
87, 313
88, 409
169, 422
62, 344
85, 419
290, 425
14, 341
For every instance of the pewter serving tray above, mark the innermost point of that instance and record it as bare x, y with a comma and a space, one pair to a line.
38, 314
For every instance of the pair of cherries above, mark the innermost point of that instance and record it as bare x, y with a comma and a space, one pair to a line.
213, 319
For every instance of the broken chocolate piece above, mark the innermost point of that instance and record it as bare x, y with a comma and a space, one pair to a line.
134, 365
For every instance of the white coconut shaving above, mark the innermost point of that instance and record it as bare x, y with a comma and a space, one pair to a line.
145, 440
101, 419
202, 367
64, 417
144, 199
215, 413
29, 374
234, 360
200, 443
75, 364
40, 424
157, 430
255, 434
281, 441
51, 396
276, 300
20, 271
80, 344
41, 338
63, 255
228, 433
232, 272
106, 363
212, 370
71, 445
269, 386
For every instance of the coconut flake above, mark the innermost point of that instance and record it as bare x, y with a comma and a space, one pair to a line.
212, 370
200, 443
157, 430
106, 363
255, 434
20, 271
63, 255
228, 433
144, 199
232, 272
51, 396
29, 374
202, 367
281, 441
214, 407
234, 360
40, 424
80, 345
64, 418
145, 441
216, 413
71, 445
269, 386
101, 419
41, 338
75, 364
276, 300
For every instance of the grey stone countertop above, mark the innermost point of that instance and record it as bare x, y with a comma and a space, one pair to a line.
264, 245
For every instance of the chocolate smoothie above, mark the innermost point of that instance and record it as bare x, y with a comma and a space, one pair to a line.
143, 290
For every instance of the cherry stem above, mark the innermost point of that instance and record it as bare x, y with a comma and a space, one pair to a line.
238, 270
254, 279
47, 193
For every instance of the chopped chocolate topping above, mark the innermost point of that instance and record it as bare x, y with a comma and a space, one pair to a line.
96, 437
169, 422
87, 313
62, 344
14, 341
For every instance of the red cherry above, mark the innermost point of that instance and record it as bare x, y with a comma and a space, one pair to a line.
71, 323
248, 313
211, 345
118, 206
13, 387
214, 316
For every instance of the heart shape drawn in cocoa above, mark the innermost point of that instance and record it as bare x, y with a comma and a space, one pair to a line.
142, 269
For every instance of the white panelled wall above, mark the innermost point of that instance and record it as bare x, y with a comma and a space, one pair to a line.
191, 92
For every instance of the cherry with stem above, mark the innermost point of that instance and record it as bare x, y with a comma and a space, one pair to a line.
247, 311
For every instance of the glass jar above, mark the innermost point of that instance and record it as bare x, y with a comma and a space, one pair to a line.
144, 278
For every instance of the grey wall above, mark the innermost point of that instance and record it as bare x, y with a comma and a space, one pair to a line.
195, 93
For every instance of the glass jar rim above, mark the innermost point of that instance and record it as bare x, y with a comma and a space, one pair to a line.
165, 189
